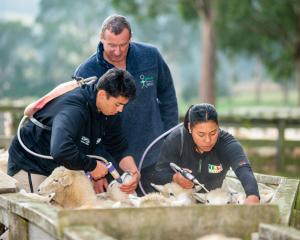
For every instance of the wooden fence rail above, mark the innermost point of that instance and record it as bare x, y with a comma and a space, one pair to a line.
279, 118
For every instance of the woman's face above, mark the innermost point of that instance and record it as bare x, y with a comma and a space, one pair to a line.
205, 135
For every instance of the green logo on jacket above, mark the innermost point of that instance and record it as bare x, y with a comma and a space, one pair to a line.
146, 81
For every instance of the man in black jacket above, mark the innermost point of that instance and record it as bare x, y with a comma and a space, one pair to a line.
84, 121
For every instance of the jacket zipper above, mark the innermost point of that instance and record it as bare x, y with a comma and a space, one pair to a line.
200, 165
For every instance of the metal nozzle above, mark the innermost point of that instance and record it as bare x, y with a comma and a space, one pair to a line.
119, 180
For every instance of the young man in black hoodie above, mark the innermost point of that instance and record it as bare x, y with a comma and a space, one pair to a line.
84, 121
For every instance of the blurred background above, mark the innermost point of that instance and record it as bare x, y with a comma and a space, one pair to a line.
242, 56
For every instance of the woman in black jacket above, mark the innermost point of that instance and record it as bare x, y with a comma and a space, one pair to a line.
207, 151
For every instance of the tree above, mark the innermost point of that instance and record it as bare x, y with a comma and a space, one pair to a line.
191, 10
18, 59
68, 31
266, 29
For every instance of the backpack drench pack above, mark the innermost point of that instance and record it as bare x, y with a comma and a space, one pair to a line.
62, 88
34, 107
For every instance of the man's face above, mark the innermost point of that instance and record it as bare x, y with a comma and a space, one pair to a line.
109, 105
115, 46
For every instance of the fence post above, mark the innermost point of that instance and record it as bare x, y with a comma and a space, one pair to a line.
280, 144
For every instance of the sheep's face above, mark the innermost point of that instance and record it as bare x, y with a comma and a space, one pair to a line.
113, 189
214, 197
171, 190
56, 182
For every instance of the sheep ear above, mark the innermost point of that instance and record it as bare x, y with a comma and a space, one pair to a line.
66, 181
201, 197
158, 188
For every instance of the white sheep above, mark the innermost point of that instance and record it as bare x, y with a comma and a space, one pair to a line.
228, 195
217, 236
235, 187
114, 192
151, 200
72, 188
47, 198
217, 196
170, 194
177, 193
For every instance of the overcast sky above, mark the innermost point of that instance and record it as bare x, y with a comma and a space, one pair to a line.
25, 10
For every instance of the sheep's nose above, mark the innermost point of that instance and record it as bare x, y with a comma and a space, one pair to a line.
39, 190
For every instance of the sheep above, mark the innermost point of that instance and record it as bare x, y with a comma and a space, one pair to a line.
234, 186
228, 195
151, 200
217, 237
72, 188
115, 194
47, 198
175, 192
217, 196
170, 194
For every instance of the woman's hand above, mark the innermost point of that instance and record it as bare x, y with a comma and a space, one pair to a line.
182, 181
252, 199
132, 184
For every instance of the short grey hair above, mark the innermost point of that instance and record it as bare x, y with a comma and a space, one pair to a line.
115, 24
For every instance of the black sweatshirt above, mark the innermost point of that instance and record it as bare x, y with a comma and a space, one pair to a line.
77, 130
209, 168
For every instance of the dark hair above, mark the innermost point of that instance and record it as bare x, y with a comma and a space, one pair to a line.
117, 82
200, 113
116, 24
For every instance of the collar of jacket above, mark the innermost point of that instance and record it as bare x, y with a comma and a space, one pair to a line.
102, 61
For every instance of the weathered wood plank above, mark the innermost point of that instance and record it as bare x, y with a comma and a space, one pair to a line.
278, 232
18, 227
261, 178
36, 233
285, 197
173, 222
83, 233
7, 183
40, 213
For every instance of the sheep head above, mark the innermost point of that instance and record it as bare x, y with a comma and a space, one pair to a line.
214, 197
60, 182
176, 193
113, 189
56, 182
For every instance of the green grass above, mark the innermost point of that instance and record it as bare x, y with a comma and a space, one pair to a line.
245, 100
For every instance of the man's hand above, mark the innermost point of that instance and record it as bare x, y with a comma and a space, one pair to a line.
132, 184
128, 164
100, 185
99, 172
182, 181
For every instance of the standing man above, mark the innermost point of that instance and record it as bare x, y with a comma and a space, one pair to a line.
81, 122
155, 109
